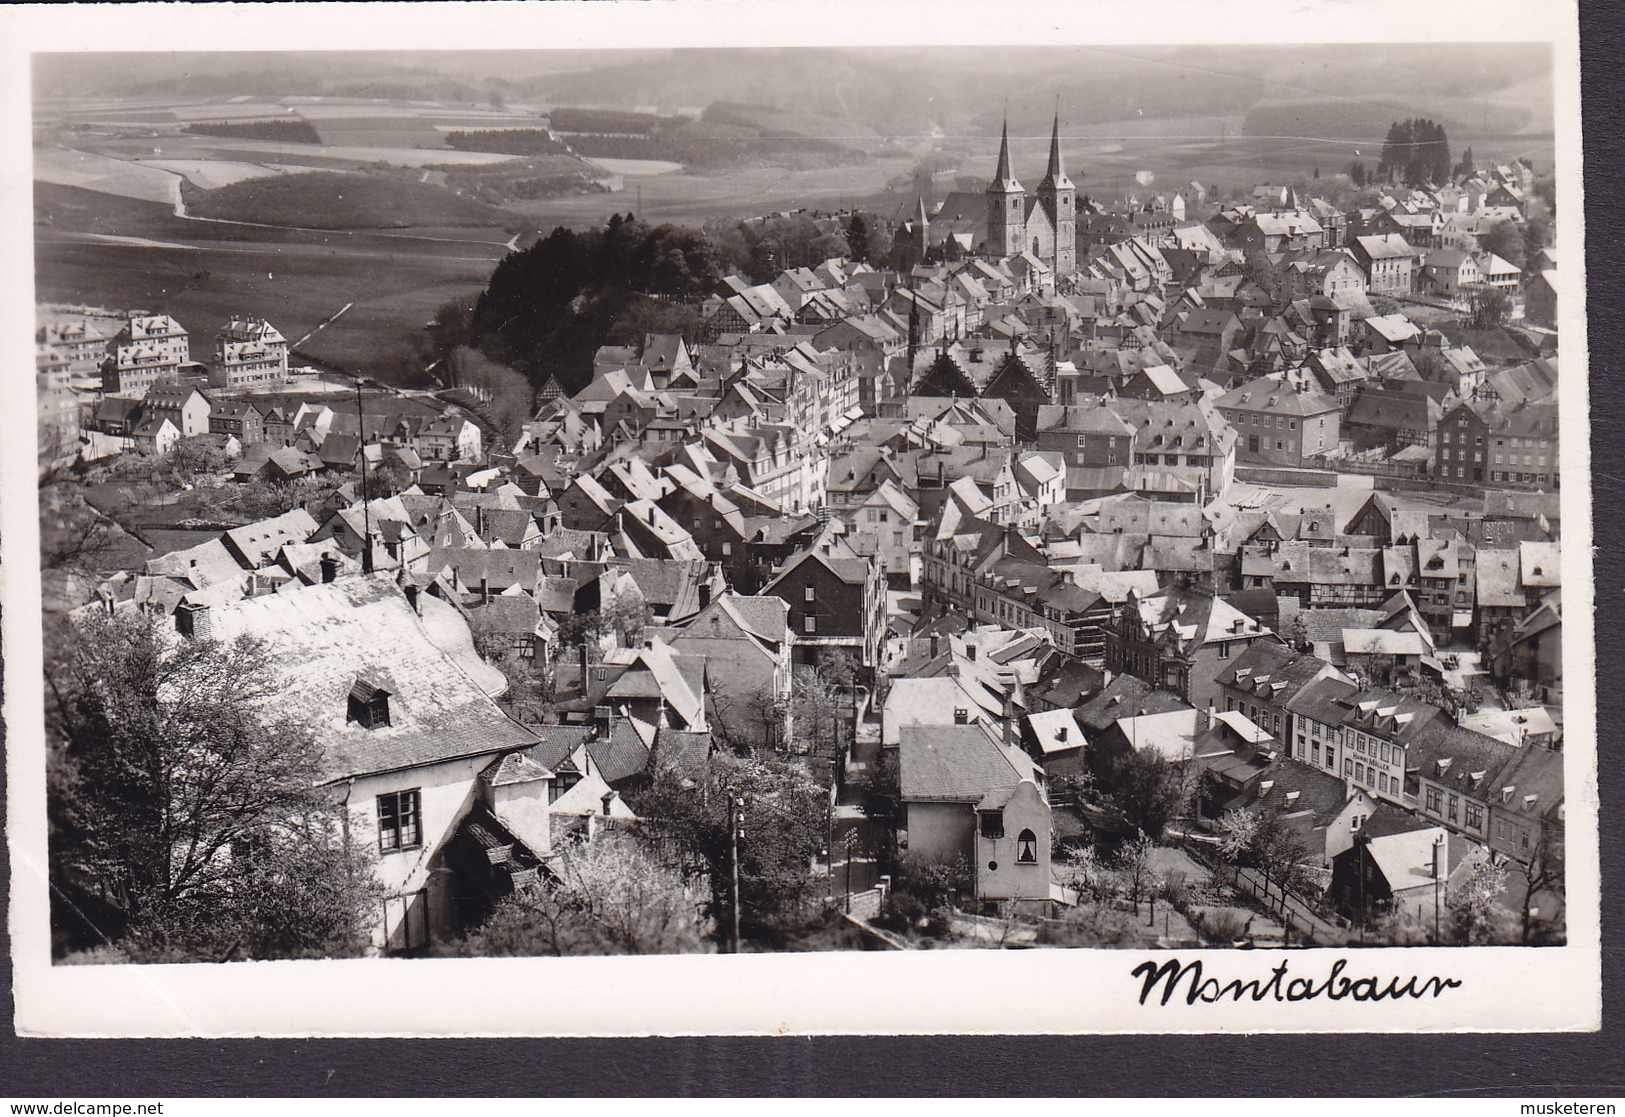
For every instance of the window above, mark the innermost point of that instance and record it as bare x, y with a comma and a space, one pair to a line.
400, 821
1455, 802
1314, 752
1224, 649
1026, 848
1475, 816
1348, 767
1435, 798
993, 825
809, 624
807, 592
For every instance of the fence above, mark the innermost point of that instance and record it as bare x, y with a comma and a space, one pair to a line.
1285, 906
1274, 899
866, 905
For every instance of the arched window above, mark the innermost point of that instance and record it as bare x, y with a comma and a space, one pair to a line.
1035, 246
1027, 848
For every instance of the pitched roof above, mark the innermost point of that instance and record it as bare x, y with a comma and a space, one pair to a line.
322, 638
958, 763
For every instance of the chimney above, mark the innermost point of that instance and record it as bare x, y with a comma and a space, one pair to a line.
961, 716
970, 651
1204, 720
705, 594
485, 589
936, 644
330, 568
193, 620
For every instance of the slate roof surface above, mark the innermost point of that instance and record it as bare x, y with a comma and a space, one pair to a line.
957, 763
323, 638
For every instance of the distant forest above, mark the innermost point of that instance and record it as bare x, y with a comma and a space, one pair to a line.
281, 131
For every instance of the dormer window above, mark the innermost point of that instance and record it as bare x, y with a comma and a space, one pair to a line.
369, 705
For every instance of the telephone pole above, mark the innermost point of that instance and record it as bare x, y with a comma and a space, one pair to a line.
366, 507
736, 830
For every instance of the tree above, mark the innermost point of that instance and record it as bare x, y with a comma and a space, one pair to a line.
1236, 830
511, 398
1415, 152
747, 719
1087, 874
1487, 308
1135, 860
821, 705
1357, 174
1542, 887
1146, 789
1278, 851
1474, 918
182, 809
74, 537
1537, 234
857, 237
881, 796
1506, 240
611, 895
784, 826
1465, 167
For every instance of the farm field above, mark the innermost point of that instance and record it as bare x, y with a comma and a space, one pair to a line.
636, 166
66, 167
693, 197
212, 174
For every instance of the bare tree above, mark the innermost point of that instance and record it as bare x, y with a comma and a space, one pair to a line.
1542, 877
1135, 862
610, 896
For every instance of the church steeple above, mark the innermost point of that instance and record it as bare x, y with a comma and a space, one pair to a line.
1003, 180
1055, 177
922, 230
1006, 204
1060, 201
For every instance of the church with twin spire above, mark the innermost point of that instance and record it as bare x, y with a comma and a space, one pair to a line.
1007, 220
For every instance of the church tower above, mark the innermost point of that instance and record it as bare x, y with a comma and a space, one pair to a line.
1059, 198
1006, 205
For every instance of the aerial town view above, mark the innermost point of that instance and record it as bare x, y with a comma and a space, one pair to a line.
674, 501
